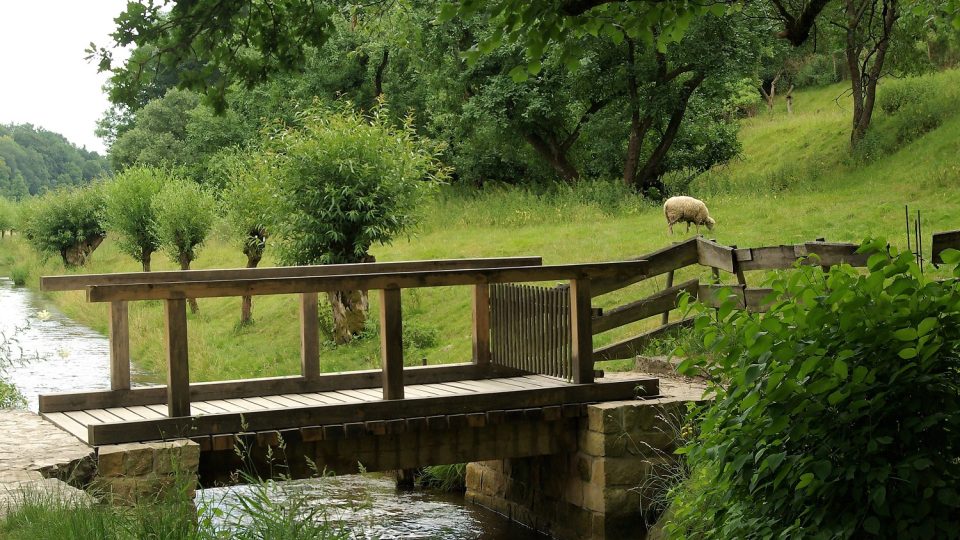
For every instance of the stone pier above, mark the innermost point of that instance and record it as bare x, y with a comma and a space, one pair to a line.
610, 487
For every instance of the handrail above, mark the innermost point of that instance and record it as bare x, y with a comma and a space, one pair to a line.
370, 281
81, 281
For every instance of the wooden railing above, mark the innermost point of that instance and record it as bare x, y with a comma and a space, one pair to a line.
173, 288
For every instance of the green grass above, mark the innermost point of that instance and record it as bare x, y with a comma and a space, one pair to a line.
795, 181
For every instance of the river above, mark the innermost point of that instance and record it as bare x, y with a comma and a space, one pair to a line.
52, 353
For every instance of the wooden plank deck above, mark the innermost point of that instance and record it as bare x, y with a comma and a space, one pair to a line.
308, 411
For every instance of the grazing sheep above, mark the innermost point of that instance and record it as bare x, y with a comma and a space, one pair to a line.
687, 209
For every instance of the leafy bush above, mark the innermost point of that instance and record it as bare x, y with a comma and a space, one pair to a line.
344, 181
19, 274
67, 222
836, 413
184, 213
896, 94
916, 119
8, 216
129, 211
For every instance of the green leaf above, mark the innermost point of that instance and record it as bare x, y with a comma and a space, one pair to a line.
519, 74
908, 353
872, 525
840, 368
805, 480
926, 326
749, 401
906, 334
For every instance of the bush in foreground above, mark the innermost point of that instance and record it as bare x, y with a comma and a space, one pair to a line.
836, 413
66, 222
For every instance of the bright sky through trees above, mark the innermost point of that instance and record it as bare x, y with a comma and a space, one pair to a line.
45, 80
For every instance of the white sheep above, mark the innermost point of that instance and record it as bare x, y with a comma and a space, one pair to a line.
687, 209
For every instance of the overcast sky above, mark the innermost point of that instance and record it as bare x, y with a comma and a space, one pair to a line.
44, 79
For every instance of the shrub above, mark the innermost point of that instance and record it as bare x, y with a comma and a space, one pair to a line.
128, 205
183, 217
8, 216
836, 413
20, 274
67, 222
896, 94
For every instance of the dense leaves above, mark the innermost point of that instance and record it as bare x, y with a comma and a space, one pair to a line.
33, 160
344, 181
837, 413
66, 222
184, 214
128, 211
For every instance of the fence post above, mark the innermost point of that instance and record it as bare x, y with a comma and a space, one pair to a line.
665, 318
309, 336
481, 324
581, 331
178, 366
119, 346
391, 343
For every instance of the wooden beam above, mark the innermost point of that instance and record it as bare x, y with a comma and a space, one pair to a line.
152, 395
714, 255
309, 336
178, 366
396, 280
81, 281
119, 346
749, 298
659, 262
115, 433
665, 318
481, 324
391, 343
580, 331
944, 240
833, 253
631, 347
660, 302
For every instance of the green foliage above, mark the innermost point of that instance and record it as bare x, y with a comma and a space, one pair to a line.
129, 211
835, 413
34, 160
184, 214
20, 274
898, 93
64, 219
344, 181
444, 477
10, 396
245, 198
8, 215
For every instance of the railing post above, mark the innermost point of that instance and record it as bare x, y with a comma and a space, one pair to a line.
309, 337
391, 343
119, 346
481, 324
581, 331
178, 366
665, 318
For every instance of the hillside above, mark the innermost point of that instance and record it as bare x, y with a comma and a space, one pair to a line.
795, 181
33, 160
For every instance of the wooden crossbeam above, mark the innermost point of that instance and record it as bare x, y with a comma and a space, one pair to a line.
659, 262
399, 280
630, 347
81, 281
655, 304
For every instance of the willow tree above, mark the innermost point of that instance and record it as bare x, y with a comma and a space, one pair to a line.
343, 181
129, 211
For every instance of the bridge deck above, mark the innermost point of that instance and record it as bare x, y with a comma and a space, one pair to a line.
311, 412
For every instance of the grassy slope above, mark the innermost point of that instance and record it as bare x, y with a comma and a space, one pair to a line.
794, 182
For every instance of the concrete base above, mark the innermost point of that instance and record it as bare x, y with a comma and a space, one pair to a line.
142, 473
610, 487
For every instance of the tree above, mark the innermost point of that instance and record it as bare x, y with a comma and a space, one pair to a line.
66, 221
341, 182
129, 211
8, 216
184, 215
245, 200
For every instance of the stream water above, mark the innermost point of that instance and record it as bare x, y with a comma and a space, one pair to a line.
52, 353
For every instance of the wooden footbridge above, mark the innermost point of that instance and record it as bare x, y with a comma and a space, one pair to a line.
533, 355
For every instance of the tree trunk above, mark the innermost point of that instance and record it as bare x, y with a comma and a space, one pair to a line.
636, 141
789, 98
185, 265
253, 249
77, 254
865, 69
555, 156
145, 259
652, 170
378, 77
772, 94
349, 314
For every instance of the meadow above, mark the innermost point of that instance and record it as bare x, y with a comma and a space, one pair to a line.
795, 181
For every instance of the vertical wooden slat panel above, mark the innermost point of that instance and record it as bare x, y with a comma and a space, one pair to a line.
391, 343
550, 332
178, 365
514, 329
665, 318
481, 324
119, 346
494, 316
539, 327
525, 328
309, 336
565, 335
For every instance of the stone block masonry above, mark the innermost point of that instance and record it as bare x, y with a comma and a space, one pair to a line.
133, 473
608, 488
